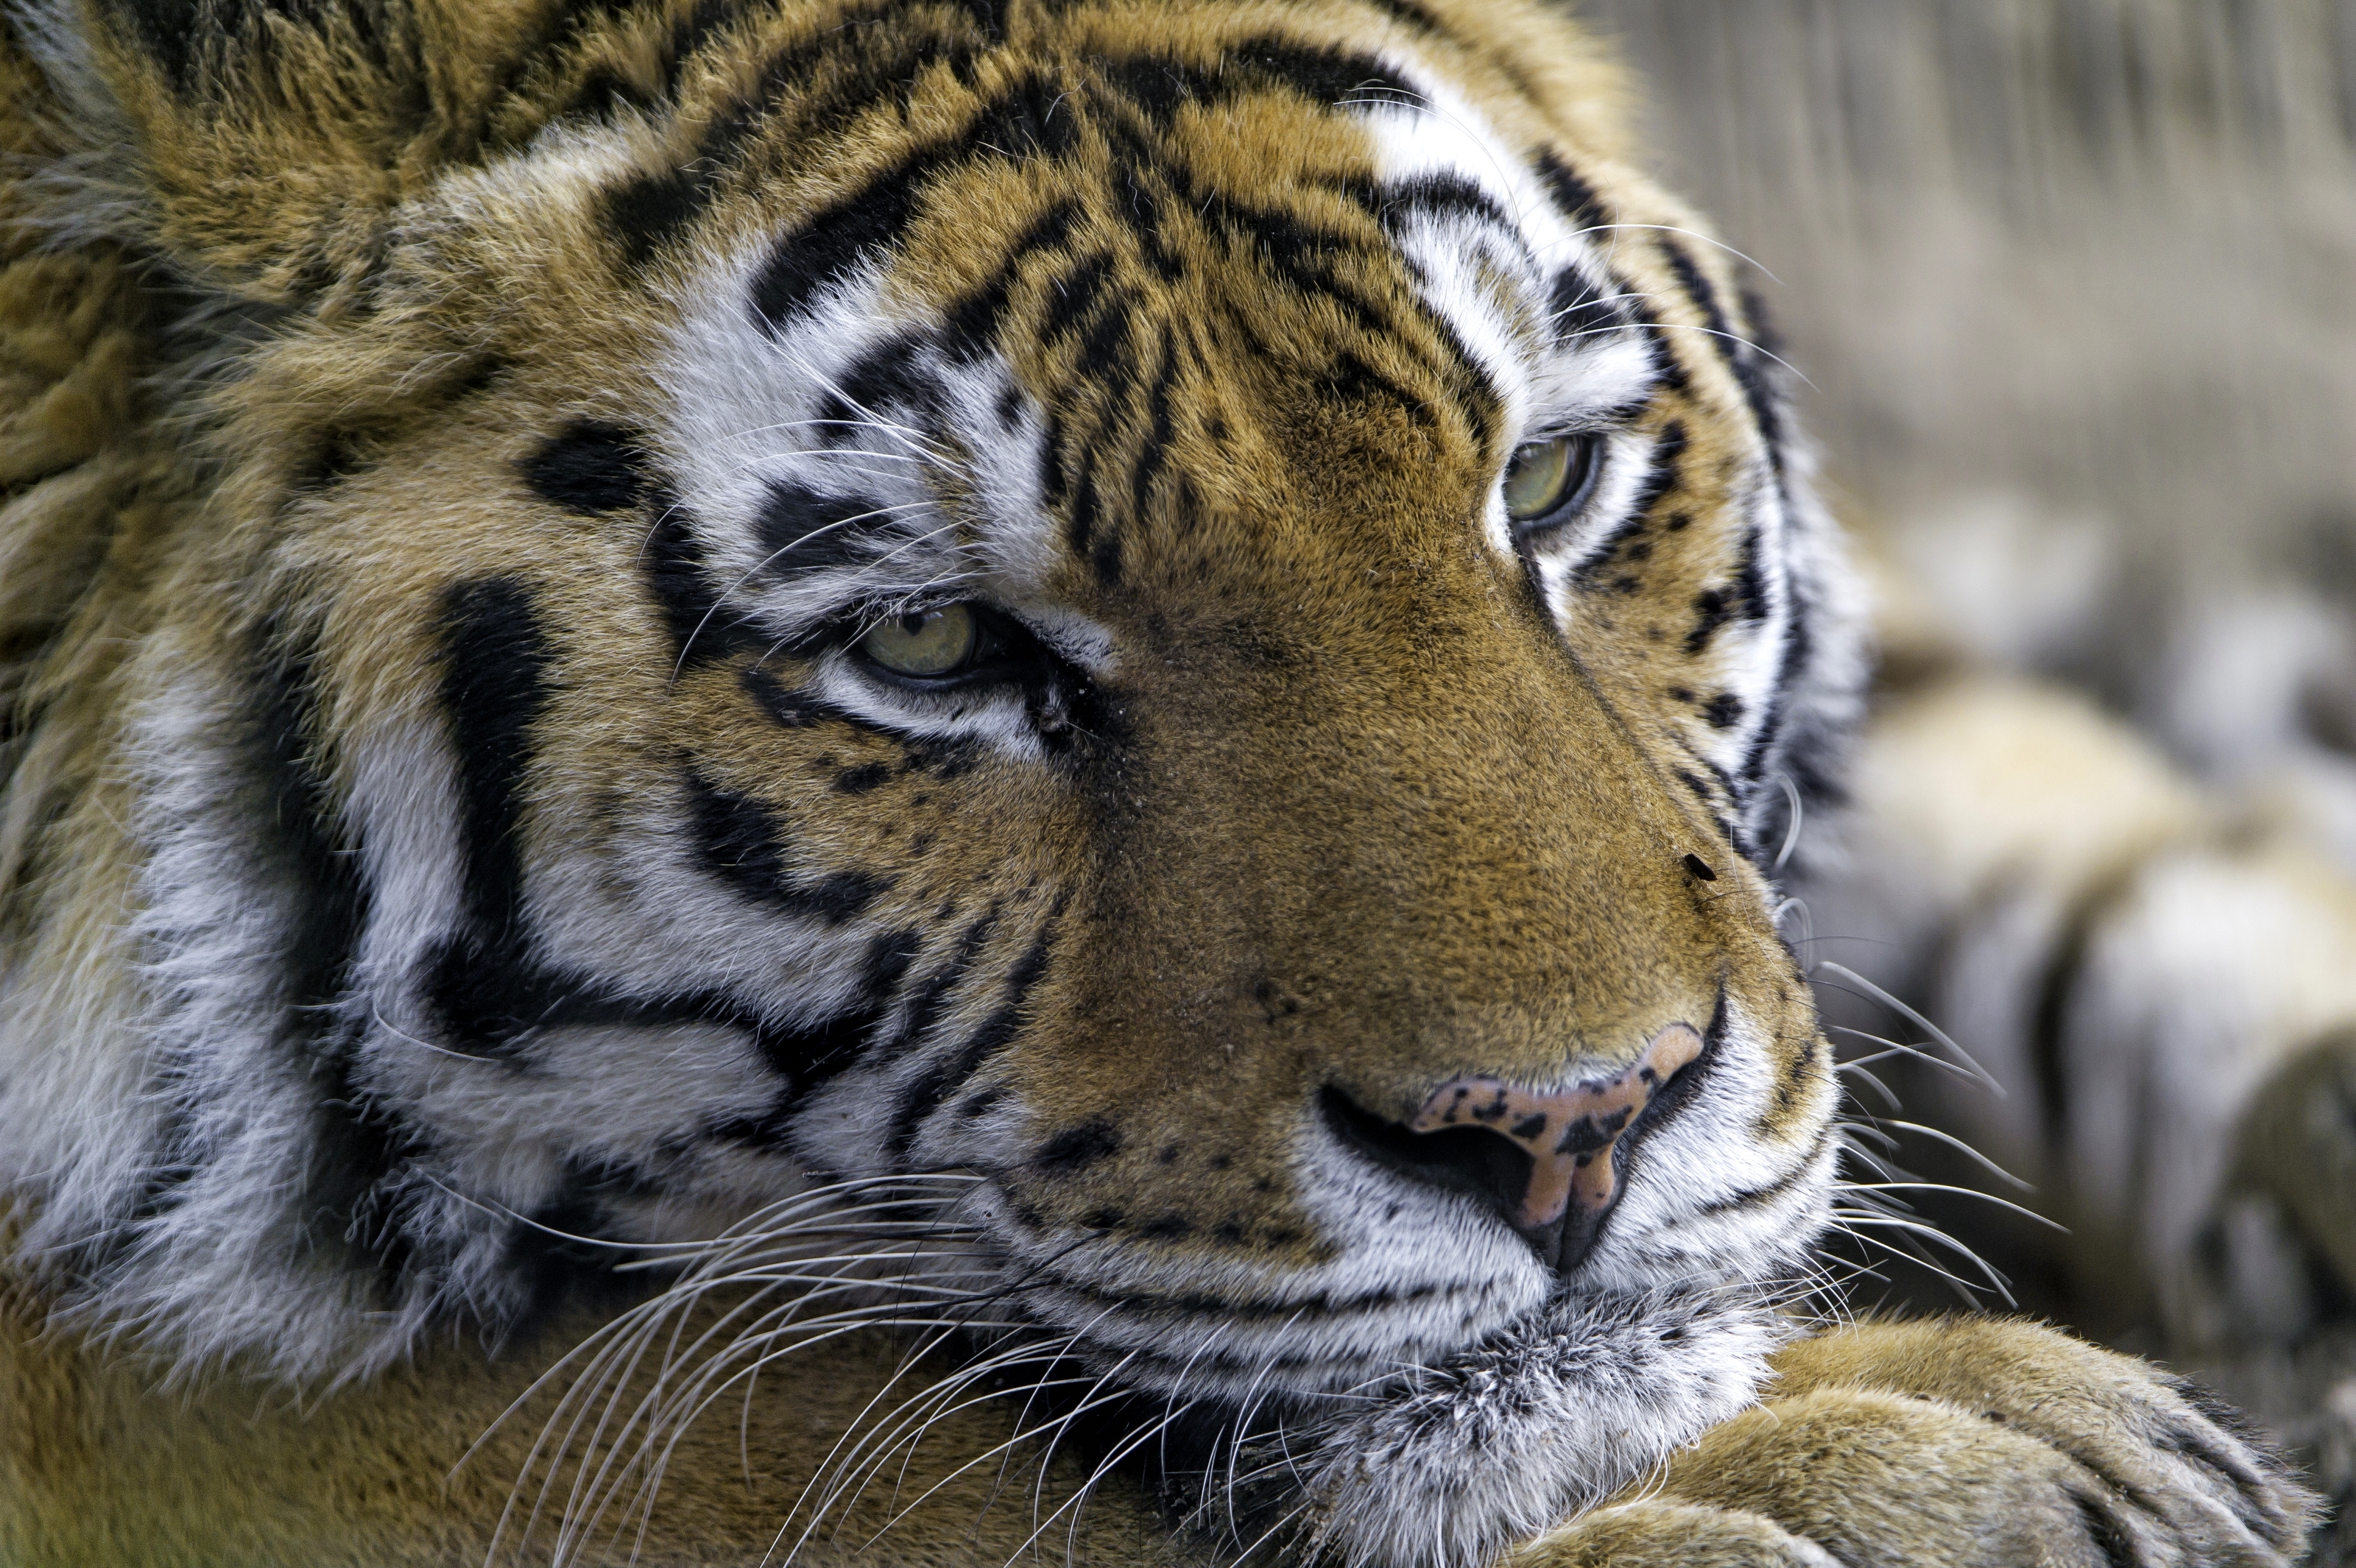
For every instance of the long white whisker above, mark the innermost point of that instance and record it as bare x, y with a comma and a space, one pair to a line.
1841, 971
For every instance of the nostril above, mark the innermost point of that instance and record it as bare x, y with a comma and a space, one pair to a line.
1547, 1162
1470, 1160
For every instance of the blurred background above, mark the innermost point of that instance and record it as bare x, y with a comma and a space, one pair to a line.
2074, 282
2073, 286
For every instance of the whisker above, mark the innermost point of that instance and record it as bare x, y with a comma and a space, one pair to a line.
1962, 1192
1960, 1146
1841, 971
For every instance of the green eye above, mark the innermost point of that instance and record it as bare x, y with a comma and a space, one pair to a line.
1543, 475
923, 642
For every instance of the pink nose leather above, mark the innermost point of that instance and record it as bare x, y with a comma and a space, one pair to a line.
1567, 1132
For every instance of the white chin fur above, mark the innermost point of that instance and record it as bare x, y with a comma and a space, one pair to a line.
1551, 1416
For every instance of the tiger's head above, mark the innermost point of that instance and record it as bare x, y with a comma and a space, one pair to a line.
1205, 614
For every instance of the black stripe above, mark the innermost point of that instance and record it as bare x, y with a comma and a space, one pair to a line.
1302, 255
1350, 379
482, 985
1697, 289
875, 57
1408, 13
1661, 476
827, 249
703, 630
496, 684
1080, 523
1073, 298
887, 375
787, 707
737, 841
931, 1088
1577, 309
1749, 577
1441, 193
1712, 609
1742, 356
1572, 195
1157, 85
1105, 354
600, 89
649, 210
302, 856
589, 467
924, 1009
184, 36
1667, 369
801, 530
1055, 482
1154, 455
690, 34
970, 328
809, 1056
869, 57
1020, 123
1077, 1148
1755, 367
1326, 76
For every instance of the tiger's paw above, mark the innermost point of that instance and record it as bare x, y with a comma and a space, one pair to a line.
1968, 1443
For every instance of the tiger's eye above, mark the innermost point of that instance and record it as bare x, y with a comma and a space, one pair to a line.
925, 642
1540, 477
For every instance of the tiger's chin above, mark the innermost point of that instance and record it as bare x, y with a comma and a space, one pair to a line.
1443, 1466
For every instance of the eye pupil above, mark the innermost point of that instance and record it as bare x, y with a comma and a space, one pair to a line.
924, 642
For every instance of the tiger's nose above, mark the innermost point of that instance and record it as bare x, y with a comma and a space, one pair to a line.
1549, 1162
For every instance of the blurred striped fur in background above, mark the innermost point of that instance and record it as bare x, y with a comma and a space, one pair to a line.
2073, 283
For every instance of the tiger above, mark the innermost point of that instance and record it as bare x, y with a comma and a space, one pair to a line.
935, 779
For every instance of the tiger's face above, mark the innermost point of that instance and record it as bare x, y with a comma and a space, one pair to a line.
1204, 613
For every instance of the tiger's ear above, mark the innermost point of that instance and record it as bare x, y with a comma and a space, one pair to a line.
265, 144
